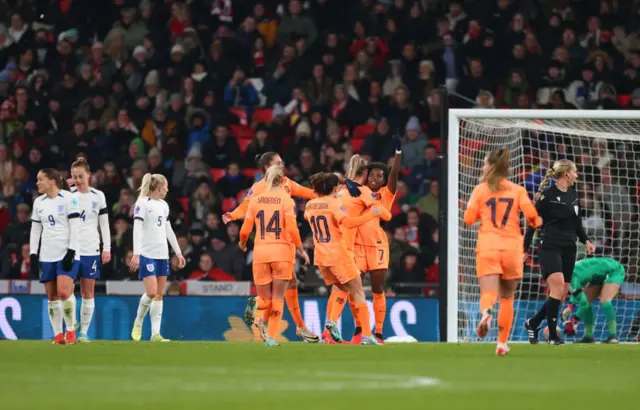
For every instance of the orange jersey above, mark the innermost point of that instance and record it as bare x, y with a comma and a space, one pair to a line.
326, 216
293, 189
355, 207
499, 216
371, 233
277, 235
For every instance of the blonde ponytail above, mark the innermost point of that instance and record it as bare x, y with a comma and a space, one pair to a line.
543, 184
150, 183
357, 167
558, 169
274, 176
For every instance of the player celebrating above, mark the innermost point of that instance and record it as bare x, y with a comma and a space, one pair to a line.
151, 231
355, 198
559, 207
273, 252
335, 262
93, 212
56, 219
499, 266
372, 246
594, 277
264, 161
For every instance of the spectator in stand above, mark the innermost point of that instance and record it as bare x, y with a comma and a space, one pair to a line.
258, 146
429, 203
427, 170
411, 271
379, 146
240, 93
18, 230
208, 271
229, 258
222, 150
295, 23
230, 185
415, 144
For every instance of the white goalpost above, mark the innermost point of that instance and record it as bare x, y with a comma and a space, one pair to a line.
605, 145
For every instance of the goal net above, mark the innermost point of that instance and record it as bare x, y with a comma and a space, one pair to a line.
605, 145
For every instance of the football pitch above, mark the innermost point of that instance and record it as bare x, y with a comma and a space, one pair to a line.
198, 375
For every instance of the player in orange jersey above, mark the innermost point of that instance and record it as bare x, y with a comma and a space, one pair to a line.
499, 249
372, 246
276, 241
355, 198
264, 161
326, 216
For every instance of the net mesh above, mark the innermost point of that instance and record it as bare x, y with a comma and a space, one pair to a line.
606, 153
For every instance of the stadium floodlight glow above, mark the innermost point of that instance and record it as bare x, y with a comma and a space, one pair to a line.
605, 146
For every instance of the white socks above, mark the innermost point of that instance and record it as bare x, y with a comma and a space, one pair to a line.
86, 314
156, 317
143, 308
55, 316
70, 313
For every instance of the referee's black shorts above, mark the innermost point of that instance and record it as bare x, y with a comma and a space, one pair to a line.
558, 259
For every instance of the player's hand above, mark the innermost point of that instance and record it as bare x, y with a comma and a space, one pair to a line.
525, 258
242, 246
134, 263
67, 262
181, 261
376, 210
34, 265
398, 139
352, 187
226, 218
106, 257
591, 248
304, 256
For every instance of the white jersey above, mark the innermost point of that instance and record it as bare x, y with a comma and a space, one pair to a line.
92, 205
53, 214
154, 214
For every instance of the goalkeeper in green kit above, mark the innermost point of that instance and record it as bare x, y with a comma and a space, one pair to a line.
592, 278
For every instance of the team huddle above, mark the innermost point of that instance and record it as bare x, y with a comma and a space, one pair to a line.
344, 215
501, 251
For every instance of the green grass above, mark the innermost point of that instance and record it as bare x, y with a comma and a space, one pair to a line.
191, 375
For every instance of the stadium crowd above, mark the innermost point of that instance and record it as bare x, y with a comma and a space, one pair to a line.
195, 89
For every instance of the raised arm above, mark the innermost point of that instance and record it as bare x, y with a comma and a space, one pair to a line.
392, 183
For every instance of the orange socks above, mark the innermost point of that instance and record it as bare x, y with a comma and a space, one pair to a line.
505, 319
277, 306
337, 300
379, 310
352, 306
291, 295
263, 303
487, 300
265, 315
362, 313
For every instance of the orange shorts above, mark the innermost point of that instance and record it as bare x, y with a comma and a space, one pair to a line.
370, 258
265, 273
508, 264
340, 274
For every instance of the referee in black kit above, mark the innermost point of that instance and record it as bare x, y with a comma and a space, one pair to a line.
559, 207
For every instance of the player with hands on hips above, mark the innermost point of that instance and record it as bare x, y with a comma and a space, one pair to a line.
151, 231
56, 220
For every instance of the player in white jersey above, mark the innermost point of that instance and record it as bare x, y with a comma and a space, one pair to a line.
56, 220
93, 213
151, 231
